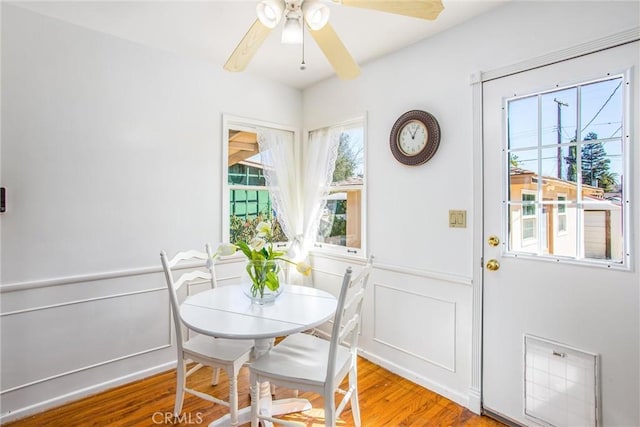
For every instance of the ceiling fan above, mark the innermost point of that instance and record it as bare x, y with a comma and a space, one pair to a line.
316, 16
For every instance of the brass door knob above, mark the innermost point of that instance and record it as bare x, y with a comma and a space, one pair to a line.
493, 265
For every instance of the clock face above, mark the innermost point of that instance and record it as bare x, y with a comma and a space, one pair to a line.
413, 138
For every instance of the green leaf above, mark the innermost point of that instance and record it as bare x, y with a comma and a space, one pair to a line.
245, 249
272, 281
251, 273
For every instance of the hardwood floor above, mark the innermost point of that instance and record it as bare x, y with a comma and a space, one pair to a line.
385, 400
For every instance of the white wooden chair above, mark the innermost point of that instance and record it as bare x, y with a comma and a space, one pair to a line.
218, 353
308, 363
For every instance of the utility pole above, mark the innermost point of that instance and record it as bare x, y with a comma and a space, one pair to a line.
560, 104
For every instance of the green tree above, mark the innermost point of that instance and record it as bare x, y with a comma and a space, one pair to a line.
346, 161
514, 160
595, 164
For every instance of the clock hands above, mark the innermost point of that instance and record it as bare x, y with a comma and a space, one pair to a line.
415, 129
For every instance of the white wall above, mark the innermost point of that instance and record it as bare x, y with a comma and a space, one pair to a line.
111, 151
422, 285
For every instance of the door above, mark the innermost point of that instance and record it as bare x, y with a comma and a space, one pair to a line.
553, 136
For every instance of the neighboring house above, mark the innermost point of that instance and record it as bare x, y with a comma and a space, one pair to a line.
602, 220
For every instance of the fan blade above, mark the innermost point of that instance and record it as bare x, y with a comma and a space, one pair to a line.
247, 47
425, 9
339, 57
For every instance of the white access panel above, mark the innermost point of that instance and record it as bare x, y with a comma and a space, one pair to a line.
561, 384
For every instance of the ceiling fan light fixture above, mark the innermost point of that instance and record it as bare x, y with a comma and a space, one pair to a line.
292, 31
270, 12
316, 14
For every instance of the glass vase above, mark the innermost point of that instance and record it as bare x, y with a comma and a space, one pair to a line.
263, 281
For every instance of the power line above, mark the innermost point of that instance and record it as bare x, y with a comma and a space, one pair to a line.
564, 131
603, 105
616, 131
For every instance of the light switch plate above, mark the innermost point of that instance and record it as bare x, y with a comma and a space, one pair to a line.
457, 219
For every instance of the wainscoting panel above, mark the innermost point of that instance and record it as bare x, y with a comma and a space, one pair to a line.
432, 324
415, 323
82, 334
72, 337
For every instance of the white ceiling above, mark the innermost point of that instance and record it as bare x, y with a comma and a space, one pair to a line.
210, 30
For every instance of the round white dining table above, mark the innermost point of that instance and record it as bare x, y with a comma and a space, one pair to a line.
226, 312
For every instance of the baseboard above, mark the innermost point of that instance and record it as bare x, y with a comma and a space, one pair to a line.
84, 392
475, 401
457, 397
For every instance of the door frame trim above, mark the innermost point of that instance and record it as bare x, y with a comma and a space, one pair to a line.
478, 78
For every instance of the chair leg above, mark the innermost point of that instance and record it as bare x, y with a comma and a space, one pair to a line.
355, 404
215, 376
233, 395
180, 385
330, 409
255, 400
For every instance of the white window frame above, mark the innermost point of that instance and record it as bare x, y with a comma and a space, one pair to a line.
330, 249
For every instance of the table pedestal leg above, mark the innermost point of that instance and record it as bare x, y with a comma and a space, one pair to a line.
267, 404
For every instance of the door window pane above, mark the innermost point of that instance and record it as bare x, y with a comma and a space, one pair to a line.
601, 105
558, 116
522, 127
522, 230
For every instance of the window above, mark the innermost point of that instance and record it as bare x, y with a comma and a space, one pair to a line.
246, 198
567, 159
342, 224
529, 220
562, 214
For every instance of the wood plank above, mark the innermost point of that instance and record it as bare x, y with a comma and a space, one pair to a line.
386, 400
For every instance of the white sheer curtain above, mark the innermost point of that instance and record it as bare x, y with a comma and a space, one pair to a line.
299, 196
281, 176
320, 162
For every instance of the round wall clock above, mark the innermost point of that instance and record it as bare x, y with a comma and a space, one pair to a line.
415, 137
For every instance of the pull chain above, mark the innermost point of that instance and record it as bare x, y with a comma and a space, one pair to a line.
303, 66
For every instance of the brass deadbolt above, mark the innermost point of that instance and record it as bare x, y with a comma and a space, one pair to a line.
493, 265
493, 241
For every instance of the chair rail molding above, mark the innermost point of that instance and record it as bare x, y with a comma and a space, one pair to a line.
428, 274
93, 277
